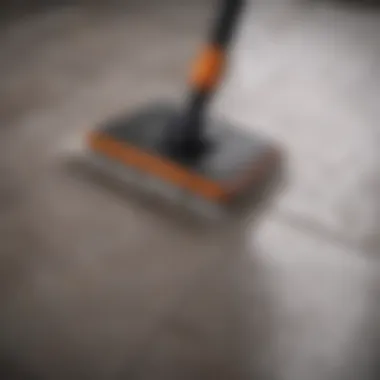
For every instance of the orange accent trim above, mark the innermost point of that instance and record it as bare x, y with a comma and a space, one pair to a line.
208, 68
158, 166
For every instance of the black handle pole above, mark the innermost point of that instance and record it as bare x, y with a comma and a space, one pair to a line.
225, 24
187, 134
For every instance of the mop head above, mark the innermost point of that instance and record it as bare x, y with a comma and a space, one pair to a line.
129, 150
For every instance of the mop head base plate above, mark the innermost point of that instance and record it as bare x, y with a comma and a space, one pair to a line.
236, 166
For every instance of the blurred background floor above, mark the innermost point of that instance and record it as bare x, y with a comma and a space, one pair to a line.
304, 73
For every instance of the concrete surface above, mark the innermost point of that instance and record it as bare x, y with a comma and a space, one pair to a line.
94, 286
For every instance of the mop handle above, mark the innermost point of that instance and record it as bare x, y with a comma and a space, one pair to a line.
209, 66
186, 137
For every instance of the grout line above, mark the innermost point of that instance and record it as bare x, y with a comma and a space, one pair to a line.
317, 229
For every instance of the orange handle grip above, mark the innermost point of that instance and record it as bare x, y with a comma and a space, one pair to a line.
208, 69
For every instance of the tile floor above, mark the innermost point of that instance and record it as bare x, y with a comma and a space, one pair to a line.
102, 288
